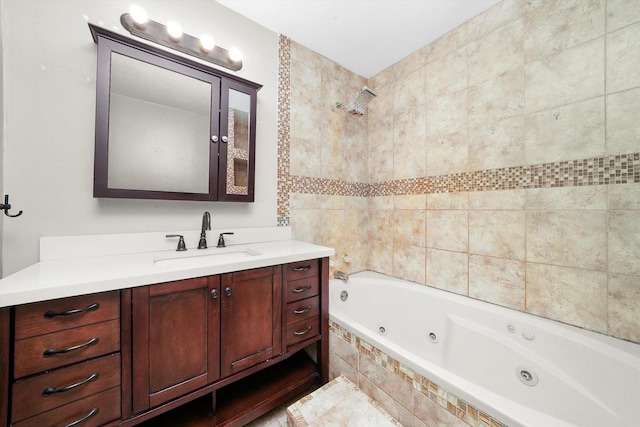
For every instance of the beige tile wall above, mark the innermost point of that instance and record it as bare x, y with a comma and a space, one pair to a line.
508, 100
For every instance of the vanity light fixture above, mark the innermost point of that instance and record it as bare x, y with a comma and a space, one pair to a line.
171, 36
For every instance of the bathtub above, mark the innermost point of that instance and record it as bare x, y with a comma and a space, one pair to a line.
518, 368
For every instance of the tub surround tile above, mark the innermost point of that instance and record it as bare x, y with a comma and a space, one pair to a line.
572, 75
567, 132
621, 13
451, 41
446, 114
448, 230
623, 127
387, 382
497, 145
388, 404
497, 233
441, 406
568, 198
498, 98
568, 238
448, 270
547, 32
448, 201
496, 53
409, 227
447, 154
495, 17
409, 201
624, 197
381, 257
381, 224
497, 200
447, 74
577, 297
623, 68
624, 242
408, 262
497, 280
624, 307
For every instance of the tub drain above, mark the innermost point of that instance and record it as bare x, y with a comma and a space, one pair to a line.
527, 376
344, 295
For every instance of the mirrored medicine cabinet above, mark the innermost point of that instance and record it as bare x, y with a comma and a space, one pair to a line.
168, 127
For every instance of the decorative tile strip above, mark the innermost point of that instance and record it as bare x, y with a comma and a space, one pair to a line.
456, 406
284, 118
619, 169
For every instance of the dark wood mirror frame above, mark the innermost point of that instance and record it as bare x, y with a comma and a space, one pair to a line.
108, 42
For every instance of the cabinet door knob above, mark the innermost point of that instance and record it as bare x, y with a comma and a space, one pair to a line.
214, 138
227, 291
225, 139
214, 294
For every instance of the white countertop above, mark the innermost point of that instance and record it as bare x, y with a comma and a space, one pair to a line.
59, 277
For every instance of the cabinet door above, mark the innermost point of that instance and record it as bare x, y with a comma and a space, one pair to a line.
251, 318
236, 173
175, 339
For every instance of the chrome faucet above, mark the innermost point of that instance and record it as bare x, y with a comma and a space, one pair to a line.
206, 225
341, 275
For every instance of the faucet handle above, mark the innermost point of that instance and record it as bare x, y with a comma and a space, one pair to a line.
181, 244
221, 243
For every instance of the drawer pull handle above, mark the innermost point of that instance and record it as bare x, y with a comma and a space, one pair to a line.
306, 331
91, 413
299, 269
50, 351
304, 310
52, 390
51, 314
300, 290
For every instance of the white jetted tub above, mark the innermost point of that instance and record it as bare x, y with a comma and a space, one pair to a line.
521, 369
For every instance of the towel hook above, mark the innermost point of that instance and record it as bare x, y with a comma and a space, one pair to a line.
6, 206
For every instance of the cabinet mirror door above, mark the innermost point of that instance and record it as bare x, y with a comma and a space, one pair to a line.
158, 129
237, 152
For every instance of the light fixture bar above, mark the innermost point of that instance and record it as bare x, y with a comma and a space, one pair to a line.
157, 33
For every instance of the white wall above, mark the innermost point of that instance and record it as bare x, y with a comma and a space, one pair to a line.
49, 102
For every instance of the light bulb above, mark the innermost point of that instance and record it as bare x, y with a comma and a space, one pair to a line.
174, 29
206, 43
138, 15
235, 54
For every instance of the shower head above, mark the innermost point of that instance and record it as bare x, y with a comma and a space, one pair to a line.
359, 105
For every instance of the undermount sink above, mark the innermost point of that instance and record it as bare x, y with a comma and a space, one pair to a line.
213, 256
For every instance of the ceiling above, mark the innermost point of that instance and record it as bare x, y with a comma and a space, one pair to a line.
365, 36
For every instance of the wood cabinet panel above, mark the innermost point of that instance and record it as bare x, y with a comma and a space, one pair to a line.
251, 318
5, 364
66, 347
301, 269
303, 309
302, 331
300, 289
175, 339
57, 315
56, 388
96, 410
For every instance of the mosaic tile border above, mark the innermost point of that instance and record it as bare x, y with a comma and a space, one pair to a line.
618, 169
456, 406
284, 119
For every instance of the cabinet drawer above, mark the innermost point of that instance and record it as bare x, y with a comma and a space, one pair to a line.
33, 355
96, 410
303, 330
57, 315
301, 289
60, 387
302, 269
303, 309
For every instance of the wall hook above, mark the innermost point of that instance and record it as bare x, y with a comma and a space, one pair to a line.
6, 206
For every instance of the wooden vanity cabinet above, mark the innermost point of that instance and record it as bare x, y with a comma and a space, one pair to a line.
66, 362
219, 350
176, 339
251, 318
